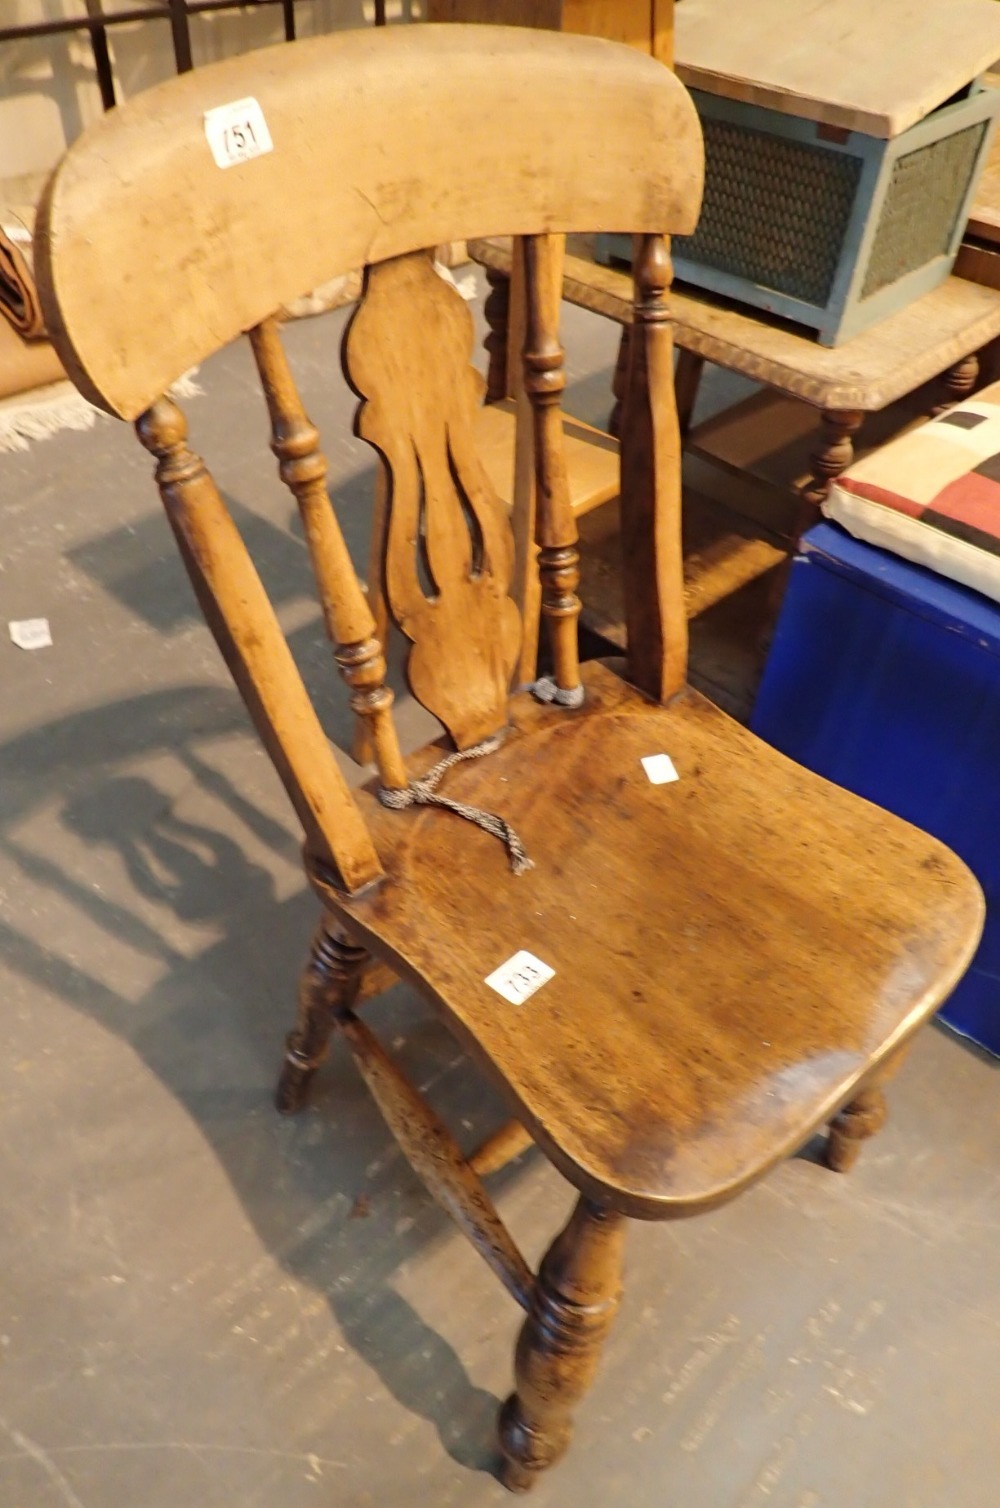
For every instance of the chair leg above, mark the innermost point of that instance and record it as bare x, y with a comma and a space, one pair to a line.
862, 1118
574, 1302
329, 982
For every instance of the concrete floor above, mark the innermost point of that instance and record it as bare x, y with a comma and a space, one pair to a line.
205, 1305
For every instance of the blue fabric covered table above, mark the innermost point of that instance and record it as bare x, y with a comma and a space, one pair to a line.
886, 679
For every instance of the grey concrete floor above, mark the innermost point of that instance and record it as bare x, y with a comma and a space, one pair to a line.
203, 1304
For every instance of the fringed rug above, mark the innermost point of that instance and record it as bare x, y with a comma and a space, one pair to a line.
44, 411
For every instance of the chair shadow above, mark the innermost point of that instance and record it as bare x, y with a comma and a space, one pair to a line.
219, 1017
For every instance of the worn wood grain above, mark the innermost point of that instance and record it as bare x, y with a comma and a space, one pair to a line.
848, 63
434, 1155
739, 956
729, 1057
652, 553
555, 527
348, 112
238, 611
449, 550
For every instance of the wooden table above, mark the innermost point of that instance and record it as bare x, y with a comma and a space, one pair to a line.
938, 336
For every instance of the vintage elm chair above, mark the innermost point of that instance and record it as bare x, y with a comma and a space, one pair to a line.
673, 985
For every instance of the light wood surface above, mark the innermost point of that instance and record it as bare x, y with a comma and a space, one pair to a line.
734, 1054
732, 567
984, 220
449, 551
652, 555
555, 524
645, 24
591, 455
877, 68
239, 612
866, 373
25, 364
348, 112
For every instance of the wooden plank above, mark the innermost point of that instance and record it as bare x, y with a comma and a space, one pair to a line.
729, 594
539, 13
618, 20
984, 221
867, 373
361, 171
591, 456
874, 68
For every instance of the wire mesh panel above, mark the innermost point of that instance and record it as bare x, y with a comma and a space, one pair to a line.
774, 210
926, 193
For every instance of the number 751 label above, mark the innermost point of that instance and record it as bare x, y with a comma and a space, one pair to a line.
237, 132
519, 978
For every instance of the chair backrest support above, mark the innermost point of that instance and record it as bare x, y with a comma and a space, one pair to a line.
152, 257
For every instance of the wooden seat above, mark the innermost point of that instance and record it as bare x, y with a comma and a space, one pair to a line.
672, 984
663, 1067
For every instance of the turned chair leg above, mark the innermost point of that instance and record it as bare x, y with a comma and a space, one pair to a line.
573, 1304
863, 1117
329, 982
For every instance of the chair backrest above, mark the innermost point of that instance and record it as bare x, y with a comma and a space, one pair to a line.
190, 215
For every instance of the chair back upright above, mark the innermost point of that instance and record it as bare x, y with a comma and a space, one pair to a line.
163, 236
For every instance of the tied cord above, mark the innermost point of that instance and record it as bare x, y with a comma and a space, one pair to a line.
424, 792
546, 690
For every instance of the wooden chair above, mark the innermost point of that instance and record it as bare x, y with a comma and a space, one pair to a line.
673, 985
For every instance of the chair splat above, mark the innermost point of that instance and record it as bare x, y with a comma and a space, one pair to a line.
407, 355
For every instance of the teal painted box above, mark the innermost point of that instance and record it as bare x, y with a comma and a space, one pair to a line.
832, 201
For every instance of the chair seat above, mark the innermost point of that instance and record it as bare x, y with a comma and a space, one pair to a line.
733, 952
592, 465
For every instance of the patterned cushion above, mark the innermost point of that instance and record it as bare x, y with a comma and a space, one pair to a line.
933, 495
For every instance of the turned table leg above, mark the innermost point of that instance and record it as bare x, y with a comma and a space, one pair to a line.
833, 455
957, 383
574, 1302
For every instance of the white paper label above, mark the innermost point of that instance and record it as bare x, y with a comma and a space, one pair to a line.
660, 769
31, 633
519, 978
237, 132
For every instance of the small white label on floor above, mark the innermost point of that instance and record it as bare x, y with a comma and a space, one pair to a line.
660, 769
519, 978
31, 633
237, 132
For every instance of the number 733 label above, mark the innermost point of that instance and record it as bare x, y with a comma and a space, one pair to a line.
237, 132
519, 978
